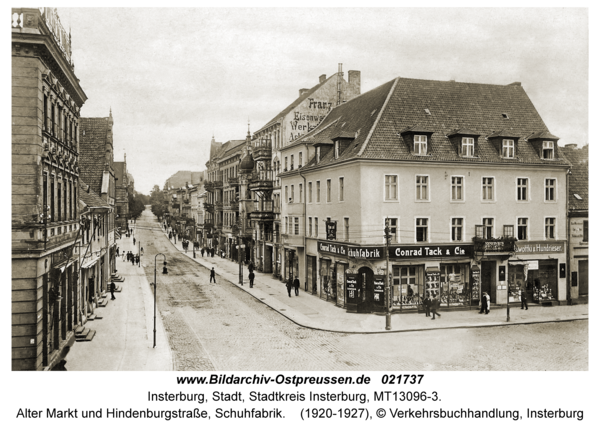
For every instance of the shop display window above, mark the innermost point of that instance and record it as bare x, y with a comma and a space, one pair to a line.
544, 281
517, 283
454, 285
407, 286
340, 283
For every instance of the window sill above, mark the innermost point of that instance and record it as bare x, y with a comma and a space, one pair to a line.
422, 201
457, 202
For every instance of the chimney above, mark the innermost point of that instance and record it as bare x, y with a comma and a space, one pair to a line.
354, 82
322, 78
303, 91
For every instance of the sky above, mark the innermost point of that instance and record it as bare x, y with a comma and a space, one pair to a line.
175, 77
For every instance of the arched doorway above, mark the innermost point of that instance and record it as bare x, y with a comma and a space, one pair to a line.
365, 290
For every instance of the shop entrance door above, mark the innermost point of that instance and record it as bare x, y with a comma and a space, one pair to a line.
365, 290
583, 277
488, 279
268, 259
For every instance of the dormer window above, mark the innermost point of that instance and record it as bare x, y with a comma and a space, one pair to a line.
318, 154
508, 148
467, 147
420, 145
337, 149
548, 150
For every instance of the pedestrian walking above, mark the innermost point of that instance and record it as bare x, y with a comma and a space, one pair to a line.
202, 252
134, 241
296, 286
117, 252
123, 256
112, 290
251, 278
435, 303
288, 285
427, 305
524, 299
137, 258
212, 252
212, 275
132, 259
142, 251
483, 302
489, 302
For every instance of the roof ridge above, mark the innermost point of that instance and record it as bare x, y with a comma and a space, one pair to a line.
379, 115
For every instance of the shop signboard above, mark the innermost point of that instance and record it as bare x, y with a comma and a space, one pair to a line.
331, 228
475, 278
351, 291
379, 291
332, 248
431, 251
354, 252
540, 247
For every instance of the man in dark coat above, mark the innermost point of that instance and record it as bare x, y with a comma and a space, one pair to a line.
483, 303
288, 285
296, 285
427, 305
212, 275
112, 290
524, 298
434, 306
251, 278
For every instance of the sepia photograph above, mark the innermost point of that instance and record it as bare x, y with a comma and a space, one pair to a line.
171, 183
306, 190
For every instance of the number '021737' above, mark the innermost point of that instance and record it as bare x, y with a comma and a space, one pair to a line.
401, 378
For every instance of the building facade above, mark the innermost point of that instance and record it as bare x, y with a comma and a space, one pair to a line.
97, 171
122, 192
578, 222
46, 103
297, 119
473, 193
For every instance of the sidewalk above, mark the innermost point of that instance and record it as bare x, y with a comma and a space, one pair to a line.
124, 335
310, 311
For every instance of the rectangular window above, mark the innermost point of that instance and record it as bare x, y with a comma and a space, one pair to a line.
310, 226
300, 160
346, 229
457, 228
585, 231
522, 228
457, 188
550, 227
291, 162
292, 194
391, 188
548, 150
45, 211
328, 190
420, 145
521, 189
550, 189
487, 187
341, 188
317, 227
59, 201
393, 225
488, 227
422, 229
508, 148
296, 226
508, 231
310, 192
300, 193
468, 146
422, 190
287, 198
318, 191
286, 225
286, 165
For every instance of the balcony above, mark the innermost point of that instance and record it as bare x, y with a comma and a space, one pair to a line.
261, 180
263, 211
219, 206
209, 207
261, 151
231, 181
211, 186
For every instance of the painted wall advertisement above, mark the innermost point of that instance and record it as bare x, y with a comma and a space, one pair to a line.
351, 288
379, 291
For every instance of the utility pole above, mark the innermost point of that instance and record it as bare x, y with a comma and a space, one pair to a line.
388, 297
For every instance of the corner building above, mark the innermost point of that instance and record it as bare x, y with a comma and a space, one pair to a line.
469, 179
46, 104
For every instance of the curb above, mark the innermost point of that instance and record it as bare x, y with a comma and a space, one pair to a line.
495, 325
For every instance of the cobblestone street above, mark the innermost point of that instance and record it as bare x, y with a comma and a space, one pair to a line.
221, 327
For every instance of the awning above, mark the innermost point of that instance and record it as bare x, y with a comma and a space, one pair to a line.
117, 233
87, 265
518, 262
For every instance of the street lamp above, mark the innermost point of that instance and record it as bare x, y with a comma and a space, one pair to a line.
165, 271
